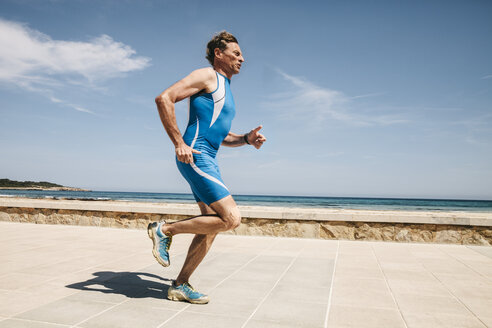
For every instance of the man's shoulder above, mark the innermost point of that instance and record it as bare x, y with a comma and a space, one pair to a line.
203, 78
205, 73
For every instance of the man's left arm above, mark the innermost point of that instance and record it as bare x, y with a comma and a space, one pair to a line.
254, 138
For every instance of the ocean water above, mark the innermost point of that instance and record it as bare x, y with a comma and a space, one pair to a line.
284, 201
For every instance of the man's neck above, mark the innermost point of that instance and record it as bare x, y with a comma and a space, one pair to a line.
223, 72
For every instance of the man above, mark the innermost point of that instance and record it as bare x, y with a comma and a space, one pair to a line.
211, 112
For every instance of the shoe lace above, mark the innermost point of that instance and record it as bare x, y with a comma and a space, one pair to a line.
166, 242
188, 286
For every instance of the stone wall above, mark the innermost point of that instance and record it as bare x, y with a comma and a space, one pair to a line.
348, 230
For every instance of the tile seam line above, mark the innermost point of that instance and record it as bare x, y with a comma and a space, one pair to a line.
328, 306
450, 292
274, 285
457, 299
388, 287
37, 321
237, 270
466, 265
120, 303
477, 252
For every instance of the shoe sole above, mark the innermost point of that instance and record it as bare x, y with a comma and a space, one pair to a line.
152, 235
176, 295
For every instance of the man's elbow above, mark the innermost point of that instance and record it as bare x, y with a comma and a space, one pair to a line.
161, 99
165, 98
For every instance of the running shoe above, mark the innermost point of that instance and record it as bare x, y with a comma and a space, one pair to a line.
161, 243
187, 293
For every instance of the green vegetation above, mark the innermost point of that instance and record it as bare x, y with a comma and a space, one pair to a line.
7, 183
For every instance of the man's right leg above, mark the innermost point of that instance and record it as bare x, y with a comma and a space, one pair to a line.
181, 290
198, 249
227, 218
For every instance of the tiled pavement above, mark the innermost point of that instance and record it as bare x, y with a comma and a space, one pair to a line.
72, 276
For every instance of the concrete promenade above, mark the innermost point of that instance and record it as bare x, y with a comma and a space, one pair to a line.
85, 276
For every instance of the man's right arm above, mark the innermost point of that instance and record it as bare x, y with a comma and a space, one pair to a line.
201, 79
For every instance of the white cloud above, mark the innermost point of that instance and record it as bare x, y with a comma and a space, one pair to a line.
34, 61
486, 77
368, 95
316, 104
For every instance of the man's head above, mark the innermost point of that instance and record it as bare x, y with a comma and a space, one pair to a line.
223, 51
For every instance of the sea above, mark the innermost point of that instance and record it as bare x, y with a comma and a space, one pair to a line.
400, 204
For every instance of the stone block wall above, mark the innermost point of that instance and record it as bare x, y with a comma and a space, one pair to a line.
347, 230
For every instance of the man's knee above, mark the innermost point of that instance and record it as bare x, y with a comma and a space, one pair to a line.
233, 219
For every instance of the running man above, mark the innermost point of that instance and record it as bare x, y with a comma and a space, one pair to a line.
211, 112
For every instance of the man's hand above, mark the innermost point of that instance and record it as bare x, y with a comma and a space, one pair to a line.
185, 153
255, 138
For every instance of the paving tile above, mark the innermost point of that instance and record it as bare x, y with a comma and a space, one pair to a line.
471, 291
487, 321
58, 268
272, 324
192, 319
481, 307
445, 266
368, 317
19, 280
19, 323
406, 266
14, 302
410, 276
464, 281
313, 293
240, 307
483, 250
241, 288
314, 279
429, 305
362, 293
290, 312
431, 288
129, 315
156, 299
64, 311
355, 272
114, 295
439, 320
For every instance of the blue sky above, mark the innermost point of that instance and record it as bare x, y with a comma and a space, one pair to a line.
357, 98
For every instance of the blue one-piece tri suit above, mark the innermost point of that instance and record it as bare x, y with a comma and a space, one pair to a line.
210, 120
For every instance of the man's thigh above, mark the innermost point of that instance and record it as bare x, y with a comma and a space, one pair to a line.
225, 207
205, 209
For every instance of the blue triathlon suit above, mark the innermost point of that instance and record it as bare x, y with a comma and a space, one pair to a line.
210, 120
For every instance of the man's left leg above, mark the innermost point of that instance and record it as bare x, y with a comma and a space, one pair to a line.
198, 249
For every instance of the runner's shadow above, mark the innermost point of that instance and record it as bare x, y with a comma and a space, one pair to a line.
130, 284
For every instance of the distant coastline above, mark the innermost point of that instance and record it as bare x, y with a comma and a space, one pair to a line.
7, 184
45, 189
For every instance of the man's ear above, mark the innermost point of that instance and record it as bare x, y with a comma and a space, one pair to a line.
217, 52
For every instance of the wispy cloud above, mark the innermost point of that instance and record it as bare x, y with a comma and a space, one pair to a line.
35, 62
486, 77
375, 94
308, 101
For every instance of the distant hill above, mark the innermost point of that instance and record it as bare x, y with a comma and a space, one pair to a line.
12, 184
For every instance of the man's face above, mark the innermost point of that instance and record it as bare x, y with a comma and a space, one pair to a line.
232, 57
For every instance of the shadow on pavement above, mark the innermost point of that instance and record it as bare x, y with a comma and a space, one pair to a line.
130, 284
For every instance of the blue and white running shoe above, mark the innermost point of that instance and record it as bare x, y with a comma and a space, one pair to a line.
187, 293
161, 243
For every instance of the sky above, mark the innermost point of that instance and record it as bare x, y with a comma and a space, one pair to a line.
356, 98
